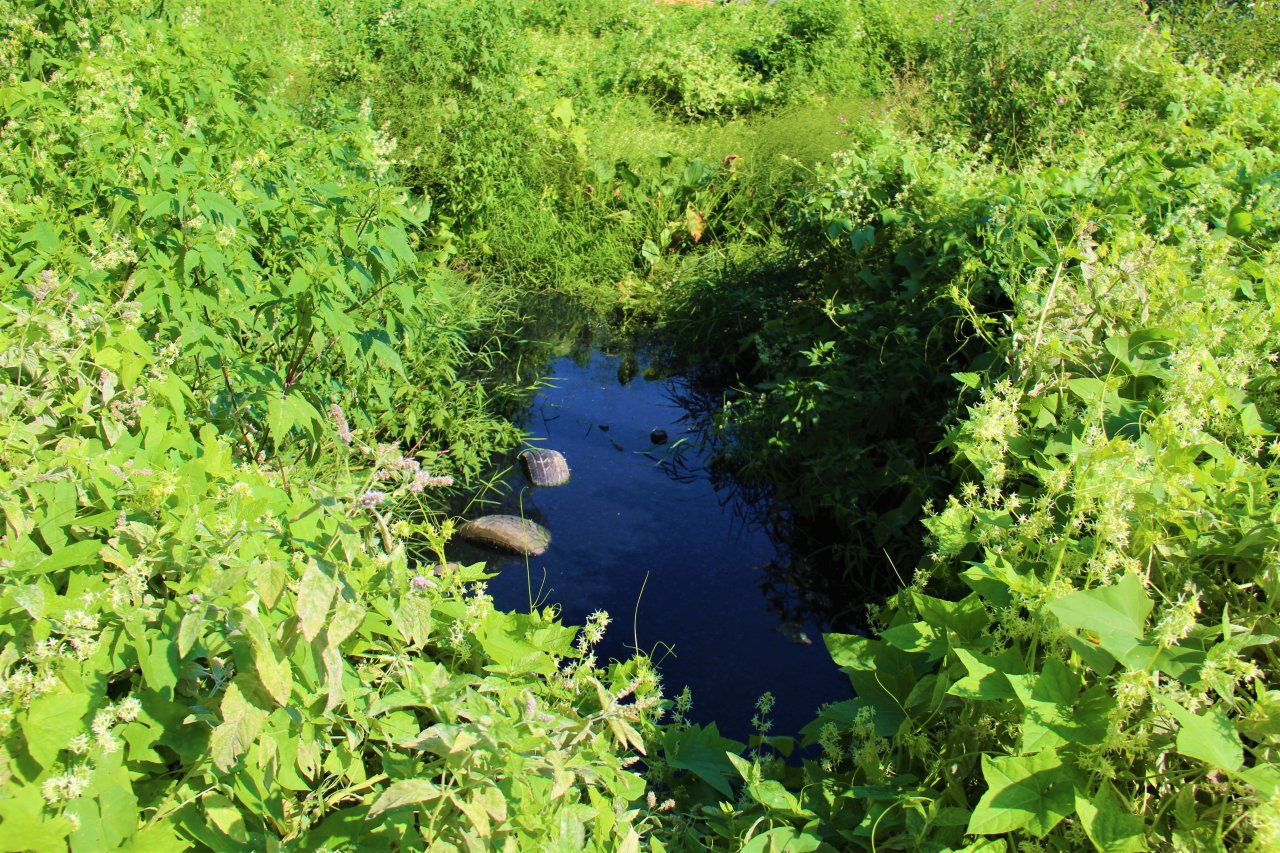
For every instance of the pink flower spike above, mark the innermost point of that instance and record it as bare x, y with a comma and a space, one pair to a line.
340, 421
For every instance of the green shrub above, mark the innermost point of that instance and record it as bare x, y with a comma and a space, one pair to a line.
200, 652
1086, 658
698, 62
728, 60
272, 248
1228, 33
225, 617
1090, 61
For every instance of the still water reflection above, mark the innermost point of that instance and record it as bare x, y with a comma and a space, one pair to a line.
641, 532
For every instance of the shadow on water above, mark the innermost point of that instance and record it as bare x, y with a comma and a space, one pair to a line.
647, 530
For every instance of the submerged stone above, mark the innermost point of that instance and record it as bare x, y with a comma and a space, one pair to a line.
545, 467
507, 533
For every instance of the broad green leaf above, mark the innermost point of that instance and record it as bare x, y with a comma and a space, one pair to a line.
918, 637
625, 734
405, 792
782, 839
52, 721
967, 618
388, 357
986, 845
771, 794
84, 553
1264, 778
156, 205
562, 782
995, 577
1033, 792
280, 416
44, 235
333, 671
702, 751
630, 843
1055, 713
189, 629
444, 740
649, 251
31, 599
223, 814
1110, 827
562, 111
395, 240
241, 724
862, 238
347, 616
987, 678
1089, 390
1055, 684
218, 208
273, 668
510, 651
157, 838
26, 825
160, 663
1092, 654
1118, 611
276, 675
475, 813
882, 677
1252, 422
315, 592
1177, 661
1240, 223
1209, 737
412, 619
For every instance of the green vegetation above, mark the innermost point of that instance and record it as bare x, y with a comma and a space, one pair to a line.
996, 283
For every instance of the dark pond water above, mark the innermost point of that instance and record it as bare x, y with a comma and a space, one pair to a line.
642, 516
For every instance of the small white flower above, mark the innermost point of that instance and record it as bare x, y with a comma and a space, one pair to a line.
128, 709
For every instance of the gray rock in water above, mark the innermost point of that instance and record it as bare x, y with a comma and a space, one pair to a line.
545, 467
507, 533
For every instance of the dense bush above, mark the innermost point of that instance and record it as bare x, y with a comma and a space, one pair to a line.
226, 621
1086, 656
1228, 33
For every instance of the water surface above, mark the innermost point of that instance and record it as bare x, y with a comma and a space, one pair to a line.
638, 516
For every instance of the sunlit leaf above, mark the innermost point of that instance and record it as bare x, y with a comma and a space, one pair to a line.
1032, 792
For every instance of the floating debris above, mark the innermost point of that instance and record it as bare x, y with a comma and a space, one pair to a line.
545, 467
507, 533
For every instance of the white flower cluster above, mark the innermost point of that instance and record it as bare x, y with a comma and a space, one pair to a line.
71, 784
